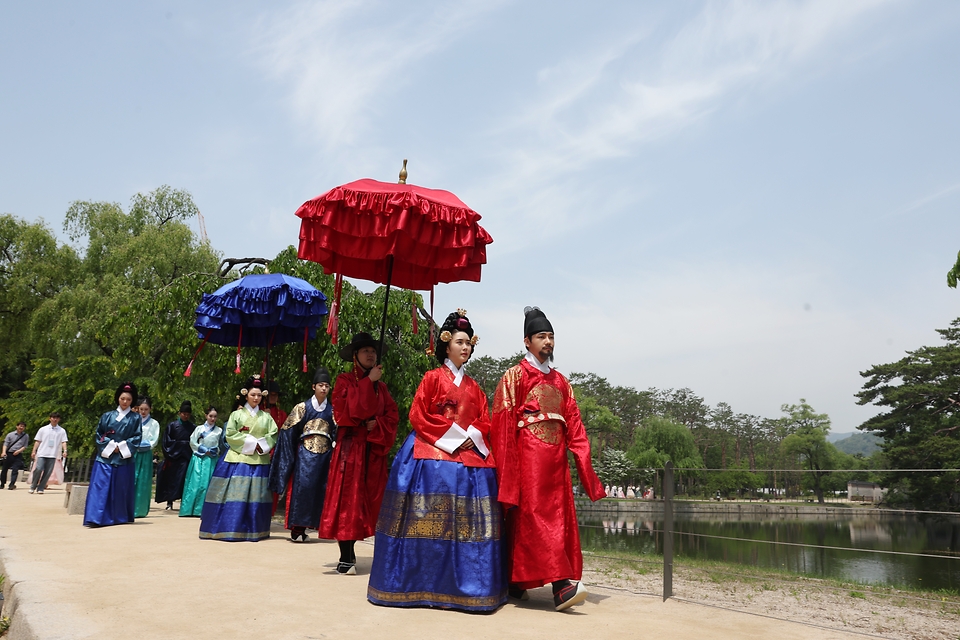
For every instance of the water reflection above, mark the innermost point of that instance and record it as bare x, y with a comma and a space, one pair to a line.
641, 533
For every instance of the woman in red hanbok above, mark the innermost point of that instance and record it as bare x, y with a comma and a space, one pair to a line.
438, 537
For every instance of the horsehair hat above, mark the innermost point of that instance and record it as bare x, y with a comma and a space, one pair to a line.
274, 387
186, 407
535, 321
360, 340
125, 387
321, 375
456, 321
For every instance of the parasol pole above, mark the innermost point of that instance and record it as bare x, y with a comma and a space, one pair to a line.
386, 300
386, 297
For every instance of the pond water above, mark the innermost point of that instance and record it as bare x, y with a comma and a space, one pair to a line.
905, 534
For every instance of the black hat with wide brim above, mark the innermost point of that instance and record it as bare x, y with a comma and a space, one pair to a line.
360, 340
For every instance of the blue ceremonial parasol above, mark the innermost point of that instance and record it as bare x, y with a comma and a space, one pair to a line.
260, 310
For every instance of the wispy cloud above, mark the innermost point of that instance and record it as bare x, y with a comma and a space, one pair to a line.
343, 59
606, 104
924, 201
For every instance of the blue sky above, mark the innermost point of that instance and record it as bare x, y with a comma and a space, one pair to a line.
755, 200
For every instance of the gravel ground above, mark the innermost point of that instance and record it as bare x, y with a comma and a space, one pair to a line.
871, 612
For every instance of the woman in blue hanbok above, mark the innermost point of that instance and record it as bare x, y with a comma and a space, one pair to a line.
143, 458
111, 495
301, 460
238, 503
438, 535
205, 443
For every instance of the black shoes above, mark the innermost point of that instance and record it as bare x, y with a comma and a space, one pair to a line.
566, 594
518, 593
298, 532
347, 568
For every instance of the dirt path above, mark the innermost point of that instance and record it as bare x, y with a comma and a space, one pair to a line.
157, 579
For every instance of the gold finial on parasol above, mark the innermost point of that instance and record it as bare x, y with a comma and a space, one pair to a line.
403, 173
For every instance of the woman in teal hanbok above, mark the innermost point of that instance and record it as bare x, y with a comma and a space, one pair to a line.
238, 504
143, 458
205, 443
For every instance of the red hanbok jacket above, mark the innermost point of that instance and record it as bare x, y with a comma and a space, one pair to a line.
437, 405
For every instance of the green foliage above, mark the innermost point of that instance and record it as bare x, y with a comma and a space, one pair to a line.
954, 273
734, 480
807, 441
33, 268
921, 422
661, 439
625, 404
487, 371
80, 392
601, 424
614, 467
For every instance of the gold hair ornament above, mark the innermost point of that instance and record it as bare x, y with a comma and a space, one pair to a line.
445, 336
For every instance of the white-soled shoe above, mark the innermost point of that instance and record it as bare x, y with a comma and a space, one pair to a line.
570, 596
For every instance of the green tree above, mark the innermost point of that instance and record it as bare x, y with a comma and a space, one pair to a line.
808, 441
659, 440
614, 467
953, 274
487, 371
114, 316
920, 424
33, 268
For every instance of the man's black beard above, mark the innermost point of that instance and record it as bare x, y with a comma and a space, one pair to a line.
546, 359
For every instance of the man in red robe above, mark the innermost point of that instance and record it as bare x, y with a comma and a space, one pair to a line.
367, 419
535, 421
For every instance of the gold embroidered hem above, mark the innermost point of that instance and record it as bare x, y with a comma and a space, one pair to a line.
439, 517
428, 598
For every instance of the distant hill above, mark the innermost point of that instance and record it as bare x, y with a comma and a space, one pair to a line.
852, 444
834, 437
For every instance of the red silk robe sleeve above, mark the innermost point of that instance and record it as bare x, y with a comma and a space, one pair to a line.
503, 436
579, 446
382, 437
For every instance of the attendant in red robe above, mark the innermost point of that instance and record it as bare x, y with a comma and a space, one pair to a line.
366, 418
535, 422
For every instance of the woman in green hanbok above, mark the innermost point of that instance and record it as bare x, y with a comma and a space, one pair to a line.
205, 443
143, 458
239, 504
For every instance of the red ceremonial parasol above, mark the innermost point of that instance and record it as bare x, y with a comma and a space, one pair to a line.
394, 234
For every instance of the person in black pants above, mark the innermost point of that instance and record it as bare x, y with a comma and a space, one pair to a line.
12, 454
176, 456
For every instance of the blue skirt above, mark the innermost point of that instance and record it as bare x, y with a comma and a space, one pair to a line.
238, 503
438, 537
111, 496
